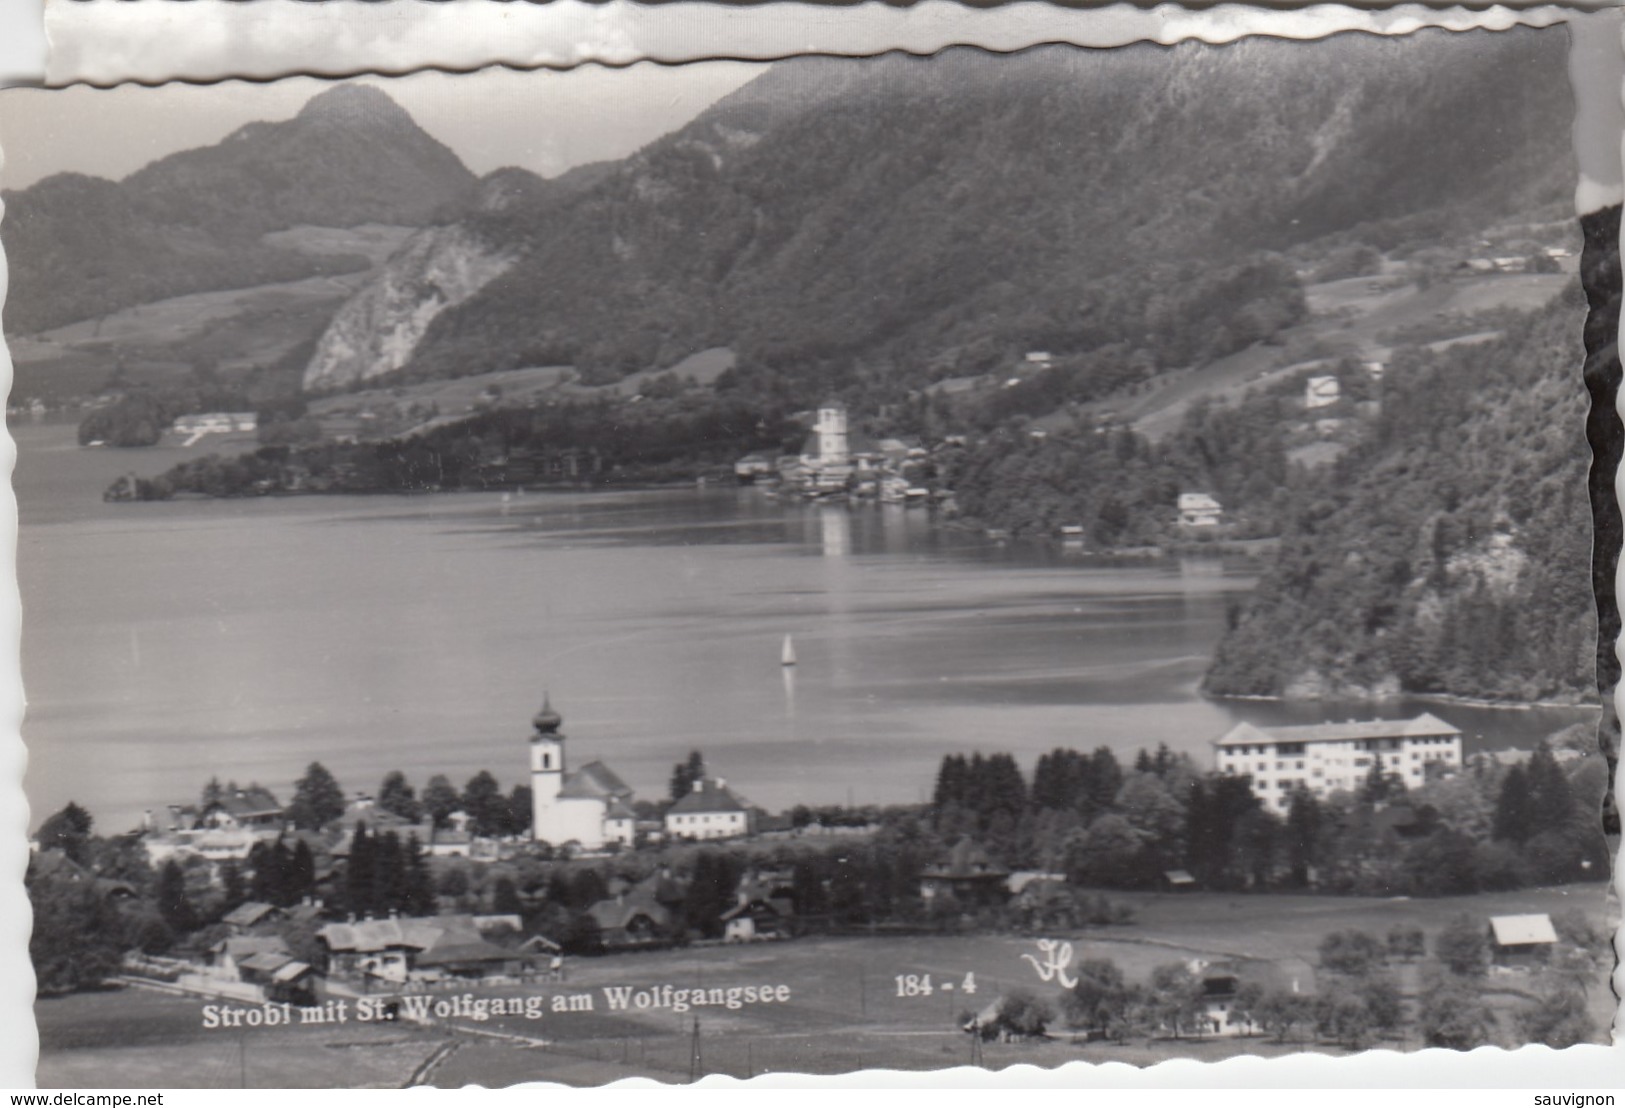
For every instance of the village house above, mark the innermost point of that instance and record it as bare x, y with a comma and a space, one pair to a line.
966, 878
633, 917
249, 915
1198, 509
1521, 940
1327, 757
710, 811
591, 807
1321, 392
250, 809
55, 865
1223, 983
764, 907
425, 948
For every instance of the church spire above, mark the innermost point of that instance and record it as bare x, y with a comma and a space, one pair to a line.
547, 721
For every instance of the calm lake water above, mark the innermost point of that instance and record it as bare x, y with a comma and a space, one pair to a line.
165, 643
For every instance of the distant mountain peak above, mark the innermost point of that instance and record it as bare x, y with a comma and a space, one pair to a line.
350, 105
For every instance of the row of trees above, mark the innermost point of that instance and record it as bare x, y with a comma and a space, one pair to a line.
1489, 826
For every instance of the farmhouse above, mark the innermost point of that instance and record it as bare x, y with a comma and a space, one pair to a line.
416, 949
709, 811
1521, 940
966, 877
1328, 757
764, 907
631, 919
590, 807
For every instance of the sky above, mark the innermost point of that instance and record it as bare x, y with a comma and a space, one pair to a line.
545, 121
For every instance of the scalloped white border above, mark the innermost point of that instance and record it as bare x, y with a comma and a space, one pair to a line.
108, 42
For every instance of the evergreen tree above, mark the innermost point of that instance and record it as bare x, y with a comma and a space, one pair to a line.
234, 891
360, 874
317, 799
389, 873
440, 800
420, 897
1302, 832
173, 902
398, 798
213, 793
1551, 798
1514, 814
686, 775
302, 873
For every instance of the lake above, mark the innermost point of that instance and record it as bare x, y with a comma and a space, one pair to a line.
167, 643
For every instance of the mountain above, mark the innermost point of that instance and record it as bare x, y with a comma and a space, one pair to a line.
936, 214
82, 246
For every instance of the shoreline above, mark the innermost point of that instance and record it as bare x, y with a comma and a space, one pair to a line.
1427, 698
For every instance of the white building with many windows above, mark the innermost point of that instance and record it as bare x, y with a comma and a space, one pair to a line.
1326, 757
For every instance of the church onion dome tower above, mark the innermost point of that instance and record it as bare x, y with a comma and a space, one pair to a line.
547, 721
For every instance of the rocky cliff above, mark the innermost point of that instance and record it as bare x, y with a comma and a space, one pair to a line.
377, 330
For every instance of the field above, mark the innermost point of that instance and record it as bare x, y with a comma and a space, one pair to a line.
843, 1011
1350, 316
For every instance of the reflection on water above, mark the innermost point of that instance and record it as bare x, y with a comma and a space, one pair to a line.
166, 643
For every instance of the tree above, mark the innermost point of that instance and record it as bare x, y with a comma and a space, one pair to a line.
173, 902
686, 775
1406, 941
484, 803
317, 799
1514, 813
360, 887
1462, 947
75, 940
398, 798
1302, 832
1176, 999
1352, 952
521, 811
213, 793
1557, 1018
1283, 1013
67, 831
1344, 1018
301, 872
1101, 1001
505, 897
1019, 1014
1453, 1015
234, 892
420, 896
440, 800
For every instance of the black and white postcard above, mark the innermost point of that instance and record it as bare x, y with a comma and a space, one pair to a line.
963, 558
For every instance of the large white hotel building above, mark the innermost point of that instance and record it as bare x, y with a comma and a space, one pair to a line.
1326, 757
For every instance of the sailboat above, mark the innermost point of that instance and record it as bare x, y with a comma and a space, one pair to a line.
788, 657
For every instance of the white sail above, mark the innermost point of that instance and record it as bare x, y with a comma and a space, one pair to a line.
789, 656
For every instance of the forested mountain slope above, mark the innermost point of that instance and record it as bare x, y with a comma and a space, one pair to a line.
933, 215
1447, 552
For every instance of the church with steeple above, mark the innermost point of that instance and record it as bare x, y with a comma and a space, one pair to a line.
590, 806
